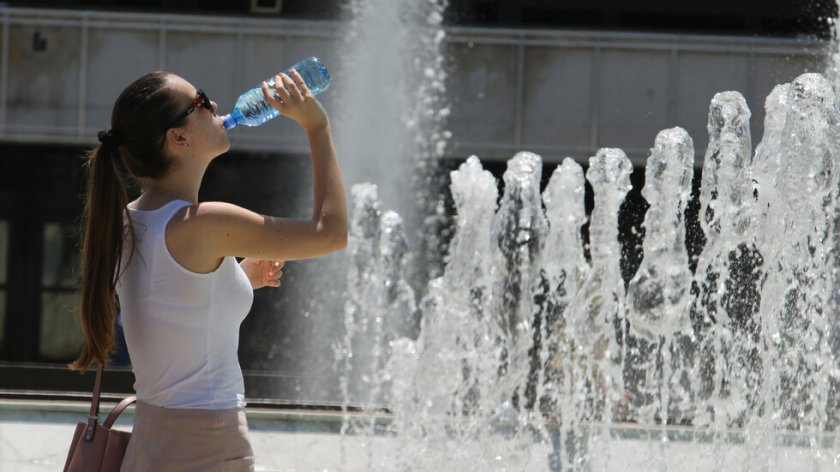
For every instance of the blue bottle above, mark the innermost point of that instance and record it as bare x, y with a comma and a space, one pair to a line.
252, 110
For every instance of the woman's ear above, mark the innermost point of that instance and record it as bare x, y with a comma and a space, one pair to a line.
176, 138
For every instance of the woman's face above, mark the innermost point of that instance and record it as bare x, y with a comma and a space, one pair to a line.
204, 129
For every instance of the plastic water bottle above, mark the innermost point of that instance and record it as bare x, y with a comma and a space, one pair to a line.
251, 108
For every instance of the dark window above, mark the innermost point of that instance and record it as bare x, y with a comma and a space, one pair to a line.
59, 336
744, 17
39, 220
4, 260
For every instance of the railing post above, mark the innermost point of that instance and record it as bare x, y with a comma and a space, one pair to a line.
750, 91
83, 67
673, 84
519, 105
595, 97
4, 72
162, 25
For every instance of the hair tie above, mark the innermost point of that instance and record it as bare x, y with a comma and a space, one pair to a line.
109, 139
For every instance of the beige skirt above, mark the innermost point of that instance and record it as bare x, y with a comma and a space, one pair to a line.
182, 440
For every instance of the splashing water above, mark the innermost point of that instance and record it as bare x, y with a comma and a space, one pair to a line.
393, 76
392, 80
517, 353
528, 357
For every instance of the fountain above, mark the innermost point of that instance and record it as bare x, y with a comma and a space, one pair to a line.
518, 352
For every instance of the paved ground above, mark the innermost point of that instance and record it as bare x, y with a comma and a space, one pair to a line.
34, 437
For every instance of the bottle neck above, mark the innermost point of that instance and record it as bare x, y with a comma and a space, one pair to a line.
229, 121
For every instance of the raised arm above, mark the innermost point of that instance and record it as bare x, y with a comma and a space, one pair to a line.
212, 230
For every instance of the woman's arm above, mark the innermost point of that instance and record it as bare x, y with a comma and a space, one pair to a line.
329, 210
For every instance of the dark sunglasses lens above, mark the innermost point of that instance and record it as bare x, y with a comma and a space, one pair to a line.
205, 101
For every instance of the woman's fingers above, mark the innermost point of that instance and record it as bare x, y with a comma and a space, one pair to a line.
287, 90
281, 88
293, 99
291, 88
304, 89
274, 270
263, 273
271, 97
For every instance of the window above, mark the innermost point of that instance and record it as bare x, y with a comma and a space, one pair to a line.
4, 261
60, 337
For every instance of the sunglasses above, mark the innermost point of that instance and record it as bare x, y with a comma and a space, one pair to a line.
201, 101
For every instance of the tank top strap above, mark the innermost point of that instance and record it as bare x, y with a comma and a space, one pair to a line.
164, 214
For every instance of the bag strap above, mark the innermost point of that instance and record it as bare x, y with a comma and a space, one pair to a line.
93, 417
117, 411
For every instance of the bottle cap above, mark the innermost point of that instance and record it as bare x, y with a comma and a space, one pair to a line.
229, 121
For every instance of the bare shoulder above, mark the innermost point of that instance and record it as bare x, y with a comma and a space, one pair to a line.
218, 210
202, 222
207, 215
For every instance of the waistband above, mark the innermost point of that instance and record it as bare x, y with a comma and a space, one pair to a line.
153, 411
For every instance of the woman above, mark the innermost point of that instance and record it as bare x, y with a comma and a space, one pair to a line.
170, 259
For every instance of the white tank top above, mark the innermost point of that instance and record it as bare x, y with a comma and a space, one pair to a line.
181, 327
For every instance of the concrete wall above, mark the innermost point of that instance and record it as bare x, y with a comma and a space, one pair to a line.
556, 93
559, 93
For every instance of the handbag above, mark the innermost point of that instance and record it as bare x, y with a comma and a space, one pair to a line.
95, 446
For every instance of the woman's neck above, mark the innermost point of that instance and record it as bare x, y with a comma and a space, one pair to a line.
155, 197
175, 186
181, 182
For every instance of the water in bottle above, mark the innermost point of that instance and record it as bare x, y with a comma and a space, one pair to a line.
251, 108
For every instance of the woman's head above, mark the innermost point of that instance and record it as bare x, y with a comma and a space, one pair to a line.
158, 116
196, 132
157, 122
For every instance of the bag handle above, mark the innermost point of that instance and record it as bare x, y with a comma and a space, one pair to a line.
93, 417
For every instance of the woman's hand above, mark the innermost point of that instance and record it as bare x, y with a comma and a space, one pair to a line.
296, 101
262, 273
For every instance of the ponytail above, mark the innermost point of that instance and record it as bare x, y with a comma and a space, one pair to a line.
136, 141
101, 253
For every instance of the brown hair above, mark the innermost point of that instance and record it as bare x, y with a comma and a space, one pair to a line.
135, 142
